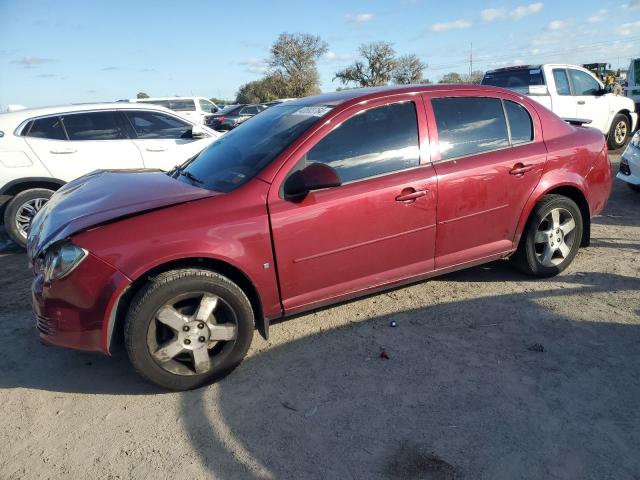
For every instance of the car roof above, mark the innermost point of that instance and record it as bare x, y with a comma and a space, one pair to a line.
336, 98
142, 100
21, 115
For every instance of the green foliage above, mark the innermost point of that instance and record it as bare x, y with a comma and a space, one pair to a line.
269, 88
142, 95
408, 70
375, 69
220, 101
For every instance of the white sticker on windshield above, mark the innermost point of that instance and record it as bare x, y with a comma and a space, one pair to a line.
312, 111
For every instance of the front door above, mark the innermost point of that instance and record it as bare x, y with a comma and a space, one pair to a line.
564, 103
164, 140
487, 167
377, 227
590, 103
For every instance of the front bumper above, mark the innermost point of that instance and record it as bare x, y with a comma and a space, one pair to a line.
630, 165
634, 121
75, 312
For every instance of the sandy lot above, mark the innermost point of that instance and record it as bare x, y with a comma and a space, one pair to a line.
463, 394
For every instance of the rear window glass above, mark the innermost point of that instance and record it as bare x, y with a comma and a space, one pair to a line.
518, 79
519, 123
469, 125
182, 105
49, 127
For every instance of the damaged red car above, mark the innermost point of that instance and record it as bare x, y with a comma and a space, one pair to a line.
311, 202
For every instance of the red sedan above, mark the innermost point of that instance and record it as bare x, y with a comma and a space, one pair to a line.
311, 202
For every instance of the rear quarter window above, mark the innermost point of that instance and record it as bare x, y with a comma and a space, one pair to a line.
520, 123
49, 127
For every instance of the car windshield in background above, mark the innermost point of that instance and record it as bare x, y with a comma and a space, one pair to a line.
517, 79
239, 155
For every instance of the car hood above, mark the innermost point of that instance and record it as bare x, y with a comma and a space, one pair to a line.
103, 196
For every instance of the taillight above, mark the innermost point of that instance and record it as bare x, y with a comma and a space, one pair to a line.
220, 118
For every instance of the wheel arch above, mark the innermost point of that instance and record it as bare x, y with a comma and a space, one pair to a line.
569, 190
113, 329
21, 184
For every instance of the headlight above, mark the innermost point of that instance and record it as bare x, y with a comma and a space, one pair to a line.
635, 140
61, 260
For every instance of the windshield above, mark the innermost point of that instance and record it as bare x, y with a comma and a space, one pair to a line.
518, 80
238, 156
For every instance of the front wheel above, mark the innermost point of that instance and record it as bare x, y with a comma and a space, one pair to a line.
21, 210
551, 238
619, 132
187, 328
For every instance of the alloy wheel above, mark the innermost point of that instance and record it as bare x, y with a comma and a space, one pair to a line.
555, 237
191, 332
620, 132
26, 212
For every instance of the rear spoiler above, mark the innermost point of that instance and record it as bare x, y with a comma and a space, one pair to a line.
578, 122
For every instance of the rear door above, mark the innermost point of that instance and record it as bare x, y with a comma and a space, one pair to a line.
564, 103
361, 234
84, 141
163, 140
489, 156
589, 103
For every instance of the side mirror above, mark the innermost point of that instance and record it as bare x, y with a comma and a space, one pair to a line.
312, 177
197, 132
214, 109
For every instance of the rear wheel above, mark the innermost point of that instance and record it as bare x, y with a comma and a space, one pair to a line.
551, 238
21, 210
619, 132
187, 328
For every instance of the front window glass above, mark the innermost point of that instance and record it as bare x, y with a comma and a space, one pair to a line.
517, 79
469, 125
49, 127
583, 83
206, 106
94, 126
376, 141
238, 156
561, 81
158, 125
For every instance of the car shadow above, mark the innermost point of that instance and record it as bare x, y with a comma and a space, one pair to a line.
504, 386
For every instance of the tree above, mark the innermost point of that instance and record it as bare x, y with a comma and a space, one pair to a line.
220, 101
142, 95
293, 60
269, 88
475, 77
374, 69
409, 69
451, 77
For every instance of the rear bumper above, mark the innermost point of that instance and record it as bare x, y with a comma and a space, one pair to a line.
74, 312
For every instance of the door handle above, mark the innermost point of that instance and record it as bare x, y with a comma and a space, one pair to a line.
61, 151
156, 149
521, 169
580, 102
410, 194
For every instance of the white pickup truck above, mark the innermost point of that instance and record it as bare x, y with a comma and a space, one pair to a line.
571, 92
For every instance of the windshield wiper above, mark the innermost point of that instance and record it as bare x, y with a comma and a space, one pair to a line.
177, 171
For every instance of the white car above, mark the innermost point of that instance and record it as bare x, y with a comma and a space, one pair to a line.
43, 148
630, 164
193, 108
571, 92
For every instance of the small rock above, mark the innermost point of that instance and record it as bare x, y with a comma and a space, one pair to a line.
536, 347
384, 355
393, 323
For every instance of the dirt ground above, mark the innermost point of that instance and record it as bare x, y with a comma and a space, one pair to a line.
465, 393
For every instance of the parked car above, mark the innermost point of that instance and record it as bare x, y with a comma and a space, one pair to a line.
630, 164
571, 92
43, 148
195, 109
633, 82
232, 116
312, 202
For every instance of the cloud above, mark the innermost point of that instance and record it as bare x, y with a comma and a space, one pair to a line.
629, 28
598, 17
492, 14
148, 70
556, 25
455, 25
359, 17
255, 65
46, 75
31, 62
632, 4
108, 69
331, 56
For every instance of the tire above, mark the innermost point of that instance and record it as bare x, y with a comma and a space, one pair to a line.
539, 238
151, 343
24, 206
619, 133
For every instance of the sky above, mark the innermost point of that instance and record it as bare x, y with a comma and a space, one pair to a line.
70, 51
